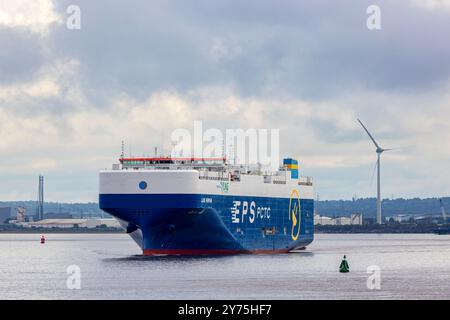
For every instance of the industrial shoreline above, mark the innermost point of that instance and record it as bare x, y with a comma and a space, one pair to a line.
381, 229
60, 230
364, 229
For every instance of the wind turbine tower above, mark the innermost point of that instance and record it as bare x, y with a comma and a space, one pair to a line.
444, 215
379, 151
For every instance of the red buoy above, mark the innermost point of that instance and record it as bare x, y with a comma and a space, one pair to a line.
42, 239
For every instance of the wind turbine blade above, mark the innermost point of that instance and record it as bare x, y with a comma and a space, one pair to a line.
391, 149
370, 136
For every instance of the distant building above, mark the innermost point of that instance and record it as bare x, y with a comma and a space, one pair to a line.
354, 219
74, 223
343, 221
58, 215
20, 215
401, 218
58, 223
5, 214
427, 220
110, 223
323, 221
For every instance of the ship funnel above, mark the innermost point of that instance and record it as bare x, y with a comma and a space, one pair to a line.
292, 166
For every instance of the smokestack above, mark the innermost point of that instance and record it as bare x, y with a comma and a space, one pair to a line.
41, 198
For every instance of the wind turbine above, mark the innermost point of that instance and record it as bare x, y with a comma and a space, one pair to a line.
379, 151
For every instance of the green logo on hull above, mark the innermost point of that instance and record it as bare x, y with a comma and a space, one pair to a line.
222, 185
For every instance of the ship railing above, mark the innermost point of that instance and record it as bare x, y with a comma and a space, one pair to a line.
213, 178
213, 175
212, 168
305, 181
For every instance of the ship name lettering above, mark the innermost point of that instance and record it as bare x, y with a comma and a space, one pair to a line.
241, 209
263, 212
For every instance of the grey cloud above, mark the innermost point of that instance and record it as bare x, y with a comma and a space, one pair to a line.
312, 49
21, 55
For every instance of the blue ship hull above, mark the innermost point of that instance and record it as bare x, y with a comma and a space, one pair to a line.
212, 224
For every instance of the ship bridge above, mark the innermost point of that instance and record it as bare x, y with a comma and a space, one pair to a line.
214, 169
172, 163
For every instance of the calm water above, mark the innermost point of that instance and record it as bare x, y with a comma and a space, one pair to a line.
412, 267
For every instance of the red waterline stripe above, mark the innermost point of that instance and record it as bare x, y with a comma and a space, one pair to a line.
193, 252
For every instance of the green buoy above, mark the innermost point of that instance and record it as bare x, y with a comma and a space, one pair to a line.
344, 266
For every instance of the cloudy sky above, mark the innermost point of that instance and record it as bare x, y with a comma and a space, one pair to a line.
137, 70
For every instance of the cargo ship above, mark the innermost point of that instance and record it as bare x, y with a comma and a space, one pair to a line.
207, 206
